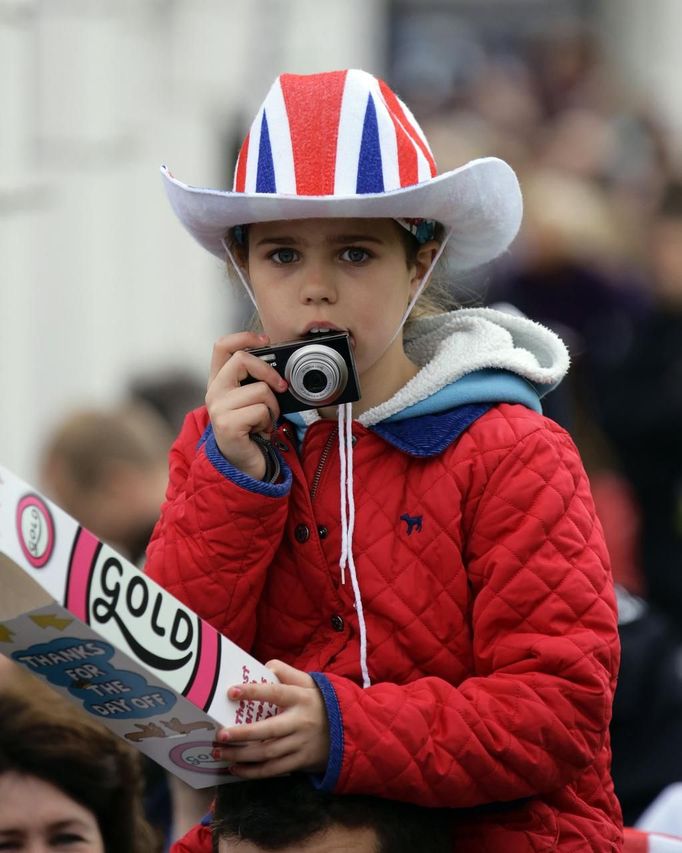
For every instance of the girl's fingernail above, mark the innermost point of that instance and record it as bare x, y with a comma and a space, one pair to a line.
283, 385
234, 692
216, 754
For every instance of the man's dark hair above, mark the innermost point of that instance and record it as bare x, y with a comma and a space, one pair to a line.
275, 813
670, 204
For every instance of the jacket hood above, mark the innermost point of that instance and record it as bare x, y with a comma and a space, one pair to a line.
483, 341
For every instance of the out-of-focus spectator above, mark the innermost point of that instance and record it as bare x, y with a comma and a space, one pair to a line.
642, 405
108, 469
568, 273
618, 512
171, 394
646, 729
66, 782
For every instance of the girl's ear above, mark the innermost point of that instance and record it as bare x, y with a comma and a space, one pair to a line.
423, 260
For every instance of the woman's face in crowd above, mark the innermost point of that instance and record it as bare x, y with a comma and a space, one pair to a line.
37, 817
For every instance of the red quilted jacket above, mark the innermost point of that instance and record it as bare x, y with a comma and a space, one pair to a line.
491, 621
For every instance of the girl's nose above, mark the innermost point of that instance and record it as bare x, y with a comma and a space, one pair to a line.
318, 286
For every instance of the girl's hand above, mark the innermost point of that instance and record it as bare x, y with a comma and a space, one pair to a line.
236, 410
297, 738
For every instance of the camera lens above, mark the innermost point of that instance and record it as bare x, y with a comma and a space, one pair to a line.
317, 374
315, 381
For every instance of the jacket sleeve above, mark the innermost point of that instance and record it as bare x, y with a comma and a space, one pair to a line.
217, 533
199, 839
545, 643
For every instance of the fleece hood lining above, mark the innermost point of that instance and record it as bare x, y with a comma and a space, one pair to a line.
450, 346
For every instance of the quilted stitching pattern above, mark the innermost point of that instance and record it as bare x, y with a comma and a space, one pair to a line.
492, 631
214, 541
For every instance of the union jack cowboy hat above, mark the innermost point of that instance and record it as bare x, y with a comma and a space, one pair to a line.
342, 144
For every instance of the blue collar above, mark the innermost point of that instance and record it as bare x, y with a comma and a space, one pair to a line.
426, 428
429, 435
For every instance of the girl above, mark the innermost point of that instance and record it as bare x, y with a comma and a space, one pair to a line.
423, 566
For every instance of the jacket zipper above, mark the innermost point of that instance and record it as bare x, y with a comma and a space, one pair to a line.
323, 459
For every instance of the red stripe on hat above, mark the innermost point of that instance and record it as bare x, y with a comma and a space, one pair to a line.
396, 109
313, 104
408, 166
240, 174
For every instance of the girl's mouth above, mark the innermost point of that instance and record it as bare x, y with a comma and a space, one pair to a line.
321, 331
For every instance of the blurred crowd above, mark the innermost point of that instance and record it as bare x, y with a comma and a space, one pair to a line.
599, 260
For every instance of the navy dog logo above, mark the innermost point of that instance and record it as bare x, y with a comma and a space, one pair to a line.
413, 522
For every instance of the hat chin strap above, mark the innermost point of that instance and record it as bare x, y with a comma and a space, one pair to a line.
345, 433
238, 270
422, 284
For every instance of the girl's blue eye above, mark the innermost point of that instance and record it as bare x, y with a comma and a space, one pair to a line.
355, 255
284, 256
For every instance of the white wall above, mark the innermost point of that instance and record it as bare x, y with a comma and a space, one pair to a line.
97, 279
643, 36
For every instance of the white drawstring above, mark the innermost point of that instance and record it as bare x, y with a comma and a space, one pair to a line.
345, 421
343, 490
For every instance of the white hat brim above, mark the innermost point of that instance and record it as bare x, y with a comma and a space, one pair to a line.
481, 202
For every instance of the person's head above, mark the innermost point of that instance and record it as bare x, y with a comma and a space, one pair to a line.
67, 783
171, 394
288, 814
336, 153
665, 246
108, 468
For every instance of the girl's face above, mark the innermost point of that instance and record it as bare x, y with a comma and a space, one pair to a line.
337, 274
37, 817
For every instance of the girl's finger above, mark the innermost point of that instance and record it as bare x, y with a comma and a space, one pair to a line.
289, 674
253, 394
240, 423
259, 752
225, 347
276, 767
278, 726
244, 365
281, 695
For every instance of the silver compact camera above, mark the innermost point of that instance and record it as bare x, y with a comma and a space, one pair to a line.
319, 370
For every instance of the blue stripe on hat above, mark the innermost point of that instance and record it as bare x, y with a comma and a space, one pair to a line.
265, 176
370, 169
